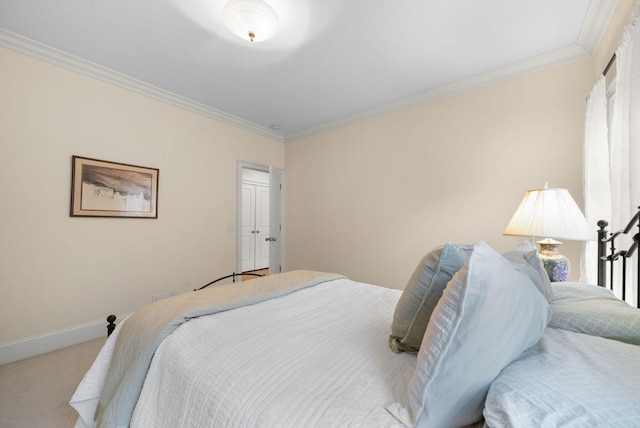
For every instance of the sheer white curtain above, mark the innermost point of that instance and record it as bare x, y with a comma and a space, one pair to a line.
597, 187
623, 147
625, 127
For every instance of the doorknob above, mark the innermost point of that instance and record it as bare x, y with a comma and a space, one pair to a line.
271, 239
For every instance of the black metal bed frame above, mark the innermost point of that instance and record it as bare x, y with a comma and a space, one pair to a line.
111, 319
606, 261
233, 275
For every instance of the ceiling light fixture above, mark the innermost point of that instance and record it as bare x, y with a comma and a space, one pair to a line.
252, 20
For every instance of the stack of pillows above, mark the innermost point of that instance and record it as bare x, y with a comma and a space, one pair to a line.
468, 312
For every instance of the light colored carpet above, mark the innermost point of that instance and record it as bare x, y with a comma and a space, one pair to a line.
35, 392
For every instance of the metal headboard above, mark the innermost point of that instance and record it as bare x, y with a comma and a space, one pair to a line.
607, 257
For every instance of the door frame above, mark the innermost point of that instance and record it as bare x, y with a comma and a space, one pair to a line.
264, 168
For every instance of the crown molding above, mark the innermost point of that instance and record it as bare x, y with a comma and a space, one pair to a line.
516, 69
73, 63
595, 22
62, 59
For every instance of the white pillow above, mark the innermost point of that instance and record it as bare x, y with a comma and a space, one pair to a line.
488, 315
525, 258
570, 380
594, 310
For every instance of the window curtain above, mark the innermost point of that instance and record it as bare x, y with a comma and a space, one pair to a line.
623, 149
625, 127
597, 186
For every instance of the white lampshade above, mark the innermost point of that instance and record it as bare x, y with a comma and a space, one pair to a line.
252, 20
550, 213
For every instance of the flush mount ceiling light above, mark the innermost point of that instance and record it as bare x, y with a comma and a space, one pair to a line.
252, 20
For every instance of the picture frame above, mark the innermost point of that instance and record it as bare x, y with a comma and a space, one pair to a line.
111, 189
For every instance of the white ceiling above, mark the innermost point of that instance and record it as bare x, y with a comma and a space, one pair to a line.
331, 63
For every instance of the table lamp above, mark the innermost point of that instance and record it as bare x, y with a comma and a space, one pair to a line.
550, 213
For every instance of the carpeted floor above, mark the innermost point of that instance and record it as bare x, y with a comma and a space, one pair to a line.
35, 393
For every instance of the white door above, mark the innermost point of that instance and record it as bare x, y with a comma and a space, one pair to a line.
248, 227
254, 226
273, 238
262, 227
276, 181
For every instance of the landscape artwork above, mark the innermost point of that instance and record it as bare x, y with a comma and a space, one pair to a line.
111, 189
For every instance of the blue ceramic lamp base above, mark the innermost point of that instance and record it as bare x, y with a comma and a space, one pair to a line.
556, 265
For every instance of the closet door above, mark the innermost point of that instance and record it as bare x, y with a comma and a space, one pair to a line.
248, 234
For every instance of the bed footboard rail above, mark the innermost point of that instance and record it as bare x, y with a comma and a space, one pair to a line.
111, 324
111, 319
233, 275
608, 255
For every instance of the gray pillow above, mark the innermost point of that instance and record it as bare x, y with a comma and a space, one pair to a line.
422, 293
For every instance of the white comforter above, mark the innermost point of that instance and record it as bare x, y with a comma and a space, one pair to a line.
258, 366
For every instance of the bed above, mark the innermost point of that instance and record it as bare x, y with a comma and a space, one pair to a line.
476, 338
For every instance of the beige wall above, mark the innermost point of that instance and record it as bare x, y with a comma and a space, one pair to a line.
609, 41
58, 272
369, 200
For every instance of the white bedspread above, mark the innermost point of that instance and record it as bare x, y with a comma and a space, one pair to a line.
258, 366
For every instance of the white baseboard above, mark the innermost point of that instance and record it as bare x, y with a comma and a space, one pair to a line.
32, 346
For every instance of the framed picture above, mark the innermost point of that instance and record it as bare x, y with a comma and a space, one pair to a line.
110, 189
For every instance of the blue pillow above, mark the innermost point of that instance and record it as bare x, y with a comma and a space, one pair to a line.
593, 310
488, 315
